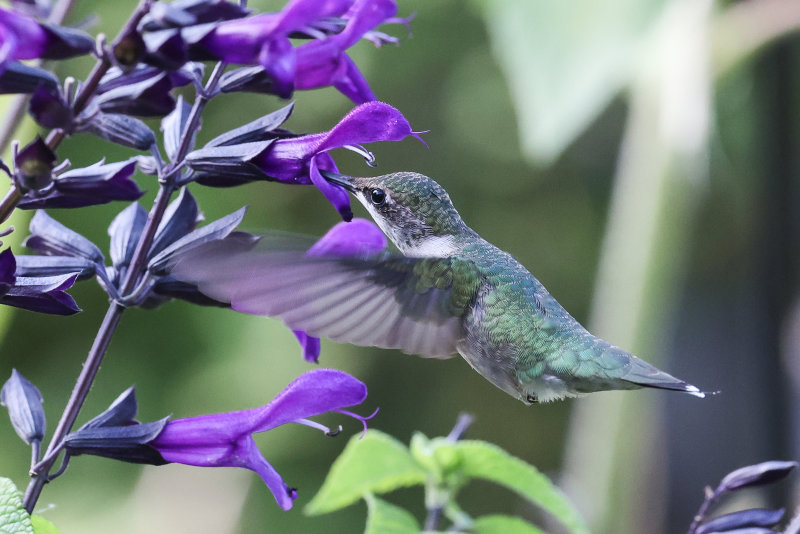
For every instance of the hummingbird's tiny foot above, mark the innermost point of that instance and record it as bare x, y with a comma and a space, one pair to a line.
532, 399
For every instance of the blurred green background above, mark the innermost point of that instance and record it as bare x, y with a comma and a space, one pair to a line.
640, 157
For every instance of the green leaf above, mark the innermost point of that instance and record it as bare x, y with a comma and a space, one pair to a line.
387, 518
42, 525
14, 519
376, 463
503, 524
565, 61
489, 462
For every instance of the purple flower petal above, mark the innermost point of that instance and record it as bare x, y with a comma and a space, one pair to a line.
225, 440
356, 238
44, 294
298, 160
8, 266
309, 344
359, 237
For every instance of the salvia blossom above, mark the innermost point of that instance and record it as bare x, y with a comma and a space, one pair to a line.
299, 160
44, 294
359, 237
226, 439
22, 37
96, 184
264, 39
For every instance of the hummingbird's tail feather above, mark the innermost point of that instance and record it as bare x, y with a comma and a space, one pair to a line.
645, 375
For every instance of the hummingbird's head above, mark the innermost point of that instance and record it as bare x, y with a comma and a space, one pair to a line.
412, 209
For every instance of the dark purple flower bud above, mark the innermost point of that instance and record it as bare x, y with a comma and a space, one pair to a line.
190, 12
757, 517
44, 294
117, 128
34, 166
129, 49
125, 230
166, 49
359, 237
147, 98
116, 434
267, 127
22, 37
226, 439
97, 184
248, 79
180, 218
116, 78
19, 78
299, 160
173, 126
168, 287
756, 475
219, 229
8, 267
24, 404
33, 266
52, 238
49, 108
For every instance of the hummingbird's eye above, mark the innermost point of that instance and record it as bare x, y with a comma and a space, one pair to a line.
377, 196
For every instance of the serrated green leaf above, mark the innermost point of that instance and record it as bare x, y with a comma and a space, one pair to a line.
503, 524
378, 463
565, 61
386, 518
42, 525
489, 462
14, 519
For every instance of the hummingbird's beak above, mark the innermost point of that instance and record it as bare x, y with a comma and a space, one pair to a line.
339, 179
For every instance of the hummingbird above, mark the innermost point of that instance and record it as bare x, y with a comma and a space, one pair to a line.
447, 292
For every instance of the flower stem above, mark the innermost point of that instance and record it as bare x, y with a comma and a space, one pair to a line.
443, 494
79, 393
41, 472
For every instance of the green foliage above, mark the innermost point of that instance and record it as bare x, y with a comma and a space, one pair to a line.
13, 517
479, 459
42, 525
376, 463
387, 518
379, 464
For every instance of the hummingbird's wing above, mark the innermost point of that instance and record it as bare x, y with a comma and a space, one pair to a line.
382, 300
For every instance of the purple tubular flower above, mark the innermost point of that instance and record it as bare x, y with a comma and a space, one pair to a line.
96, 184
22, 37
264, 39
357, 238
225, 440
324, 62
298, 160
45, 294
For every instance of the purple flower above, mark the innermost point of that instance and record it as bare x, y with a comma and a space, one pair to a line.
275, 156
22, 37
96, 184
323, 62
264, 39
45, 294
225, 440
357, 238
298, 160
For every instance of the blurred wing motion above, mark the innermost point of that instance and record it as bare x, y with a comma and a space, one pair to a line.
383, 300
